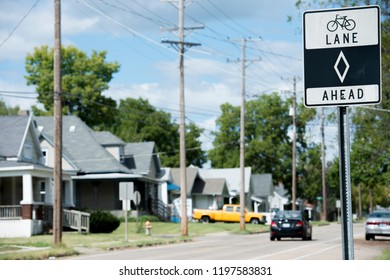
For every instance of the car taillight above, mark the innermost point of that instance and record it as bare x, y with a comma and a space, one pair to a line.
274, 224
299, 224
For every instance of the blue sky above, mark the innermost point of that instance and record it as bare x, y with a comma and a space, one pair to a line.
131, 32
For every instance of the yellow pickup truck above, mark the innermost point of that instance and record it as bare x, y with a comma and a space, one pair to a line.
229, 213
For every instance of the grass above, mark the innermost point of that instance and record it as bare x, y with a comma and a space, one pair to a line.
162, 233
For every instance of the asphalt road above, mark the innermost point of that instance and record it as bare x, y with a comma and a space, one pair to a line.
326, 245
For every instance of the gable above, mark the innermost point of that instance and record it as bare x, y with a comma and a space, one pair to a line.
81, 147
19, 140
142, 158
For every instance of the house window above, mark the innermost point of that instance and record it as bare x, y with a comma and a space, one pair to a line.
45, 153
42, 191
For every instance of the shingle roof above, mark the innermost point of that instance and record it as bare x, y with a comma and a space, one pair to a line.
262, 185
139, 157
231, 175
81, 146
12, 129
210, 186
106, 138
191, 174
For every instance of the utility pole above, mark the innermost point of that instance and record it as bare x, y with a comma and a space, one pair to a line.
294, 148
57, 211
242, 140
183, 166
324, 200
242, 133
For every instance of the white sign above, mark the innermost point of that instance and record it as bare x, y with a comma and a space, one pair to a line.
126, 190
342, 28
342, 56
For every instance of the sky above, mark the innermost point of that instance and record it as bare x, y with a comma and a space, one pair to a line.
132, 32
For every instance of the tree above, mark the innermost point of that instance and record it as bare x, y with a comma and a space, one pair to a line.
268, 146
226, 151
83, 81
138, 121
8, 111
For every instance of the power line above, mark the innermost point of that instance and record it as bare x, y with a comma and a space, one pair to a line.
18, 24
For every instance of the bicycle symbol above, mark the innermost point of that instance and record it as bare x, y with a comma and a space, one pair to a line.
341, 21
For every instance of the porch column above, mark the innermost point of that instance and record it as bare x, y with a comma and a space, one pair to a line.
27, 197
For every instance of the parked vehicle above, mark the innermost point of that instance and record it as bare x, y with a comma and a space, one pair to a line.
229, 213
378, 224
293, 224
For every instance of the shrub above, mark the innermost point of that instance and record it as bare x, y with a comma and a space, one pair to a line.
103, 222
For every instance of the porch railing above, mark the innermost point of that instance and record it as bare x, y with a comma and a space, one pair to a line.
8, 212
76, 220
160, 209
71, 218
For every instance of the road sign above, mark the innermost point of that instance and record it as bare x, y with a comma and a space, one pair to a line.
137, 198
342, 56
126, 190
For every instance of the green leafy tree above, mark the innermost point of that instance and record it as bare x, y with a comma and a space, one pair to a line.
84, 79
268, 146
8, 111
138, 121
226, 150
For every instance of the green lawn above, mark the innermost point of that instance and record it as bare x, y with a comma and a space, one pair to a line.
162, 233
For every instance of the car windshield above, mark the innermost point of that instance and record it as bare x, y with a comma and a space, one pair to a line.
288, 215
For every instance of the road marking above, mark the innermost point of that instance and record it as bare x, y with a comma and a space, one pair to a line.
295, 249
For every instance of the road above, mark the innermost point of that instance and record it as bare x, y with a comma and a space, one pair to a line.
326, 245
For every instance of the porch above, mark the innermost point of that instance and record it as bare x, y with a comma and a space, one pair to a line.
13, 222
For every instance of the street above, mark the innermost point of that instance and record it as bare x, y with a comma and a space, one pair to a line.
326, 245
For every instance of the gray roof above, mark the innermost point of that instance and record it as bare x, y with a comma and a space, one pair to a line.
191, 174
106, 138
12, 130
231, 175
80, 146
262, 185
140, 157
215, 186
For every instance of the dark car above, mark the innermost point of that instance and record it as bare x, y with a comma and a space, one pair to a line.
378, 224
291, 224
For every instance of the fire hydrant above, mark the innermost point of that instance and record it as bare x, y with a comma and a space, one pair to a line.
148, 227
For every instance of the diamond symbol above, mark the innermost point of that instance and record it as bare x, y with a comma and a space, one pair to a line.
341, 66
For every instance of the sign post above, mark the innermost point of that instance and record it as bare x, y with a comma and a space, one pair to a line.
342, 67
126, 194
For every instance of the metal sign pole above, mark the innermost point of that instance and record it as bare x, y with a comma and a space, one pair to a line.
345, 185
126, 212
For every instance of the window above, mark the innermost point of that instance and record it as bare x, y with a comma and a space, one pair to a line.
229, 208
45, 154
42, 191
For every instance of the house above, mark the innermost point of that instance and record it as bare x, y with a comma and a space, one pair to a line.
101, 161
201, 192
26, 183
233, 181
262, 188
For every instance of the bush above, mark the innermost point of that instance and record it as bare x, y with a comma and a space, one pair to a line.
103, 222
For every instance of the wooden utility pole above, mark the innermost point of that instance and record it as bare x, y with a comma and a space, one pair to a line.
242, 131
242, 140
183, 165
57, 211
